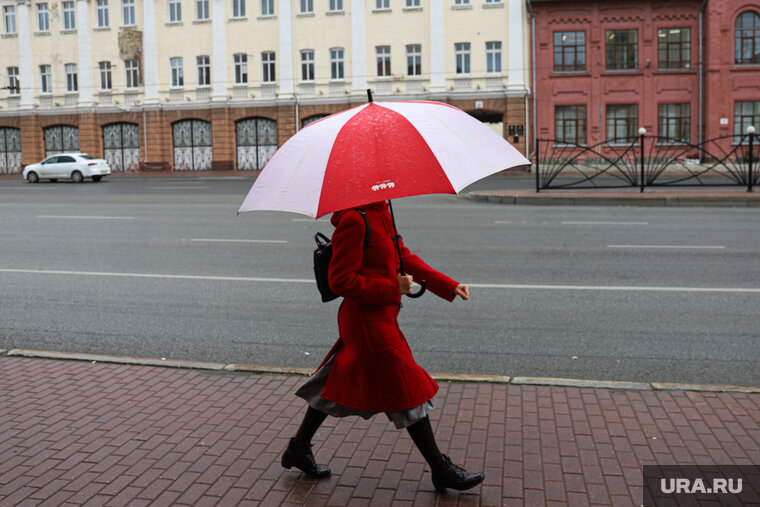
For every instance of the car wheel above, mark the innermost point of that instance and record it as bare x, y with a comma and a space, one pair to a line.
77, 177
97, 177
32, 177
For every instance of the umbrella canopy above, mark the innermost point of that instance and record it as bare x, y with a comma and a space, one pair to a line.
379, 151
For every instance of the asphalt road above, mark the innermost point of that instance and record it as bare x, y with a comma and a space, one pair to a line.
163, 267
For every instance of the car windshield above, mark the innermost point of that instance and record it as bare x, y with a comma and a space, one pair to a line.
87, 157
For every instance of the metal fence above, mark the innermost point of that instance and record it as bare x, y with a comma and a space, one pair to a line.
648, 161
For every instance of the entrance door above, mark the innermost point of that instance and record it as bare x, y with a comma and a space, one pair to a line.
121, 143
256, 142
192, 145
10, 151
61, 138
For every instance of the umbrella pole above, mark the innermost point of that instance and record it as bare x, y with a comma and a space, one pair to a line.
396, 238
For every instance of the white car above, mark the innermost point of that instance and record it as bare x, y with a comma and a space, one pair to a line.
74, 166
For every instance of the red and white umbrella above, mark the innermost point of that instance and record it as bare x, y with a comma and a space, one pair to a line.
376, 152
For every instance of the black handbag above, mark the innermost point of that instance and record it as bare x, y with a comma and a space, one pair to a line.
322, 257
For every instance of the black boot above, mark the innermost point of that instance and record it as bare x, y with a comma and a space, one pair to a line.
300, 456
448, 475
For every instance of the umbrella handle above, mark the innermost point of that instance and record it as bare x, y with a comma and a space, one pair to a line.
423, 288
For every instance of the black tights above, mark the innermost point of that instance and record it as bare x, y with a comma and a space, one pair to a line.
421, 433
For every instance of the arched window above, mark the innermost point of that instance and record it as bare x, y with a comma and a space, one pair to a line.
60, 139
121, 142
748, 38
192, 145
312, 119
10, 150
256, 142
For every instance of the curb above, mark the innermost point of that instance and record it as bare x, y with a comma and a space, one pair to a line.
440, 377
539, 199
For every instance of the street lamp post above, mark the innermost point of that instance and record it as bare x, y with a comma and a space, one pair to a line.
751, 133
642, 133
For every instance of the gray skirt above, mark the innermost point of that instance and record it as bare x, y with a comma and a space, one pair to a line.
311, 391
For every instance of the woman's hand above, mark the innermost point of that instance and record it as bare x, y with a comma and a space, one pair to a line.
463, 291
404, 284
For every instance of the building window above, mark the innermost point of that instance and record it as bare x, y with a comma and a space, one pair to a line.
238, 8
674, 122
268, 67
178, 76
382, 5
43, 18
748, 38
175, 11
569, 51
622, 123
128, 12
13, 87
461, 2
9, 19
241, 68
383, 55
336, 5
414, 60
46, 79
570, 124
674, 48
307, 6
202, 10
105, 76
307, 65
622, 49
71, 77
267, 7
412, 4
132, 73
336, 64
204, 70
493, 57
746, 113
102, 13
69, 19
462, 56
493, 2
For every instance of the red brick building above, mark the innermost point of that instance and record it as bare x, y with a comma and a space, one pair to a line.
688, 70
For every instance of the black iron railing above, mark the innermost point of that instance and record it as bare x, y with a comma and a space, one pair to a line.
648, 161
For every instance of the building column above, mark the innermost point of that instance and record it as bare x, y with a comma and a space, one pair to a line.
517, 44
26, 63
437, 48
287, 84
85, 55
219, 53
150, 53
358, 48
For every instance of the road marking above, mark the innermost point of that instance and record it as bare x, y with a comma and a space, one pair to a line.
502, 222
73, 217
239, 240
621, 288
604, 223
304, 219
694, 247
172, 187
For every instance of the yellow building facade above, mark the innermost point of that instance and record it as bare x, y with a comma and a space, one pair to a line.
220, 84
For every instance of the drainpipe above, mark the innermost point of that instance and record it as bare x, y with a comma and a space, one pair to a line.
298, 123
533, 65
700, 133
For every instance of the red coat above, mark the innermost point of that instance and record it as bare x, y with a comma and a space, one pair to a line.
374, 369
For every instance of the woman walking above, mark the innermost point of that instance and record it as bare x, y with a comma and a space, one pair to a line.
370, 369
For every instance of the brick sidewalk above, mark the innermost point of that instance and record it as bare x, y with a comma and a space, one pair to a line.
81, 433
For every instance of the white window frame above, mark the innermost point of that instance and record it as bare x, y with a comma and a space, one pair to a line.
306, 6
102, 9
106, 81
413, 4
382, 5
307, 65
177, 72
131, 74
383, 61
462, 59
69, 15
267, 8
128, 12
203, 63
13, 90
43, 17
46, 80
240, 61
493, 57
9, 19
202, 12
175, 11
337, 64
238, 9
72, 80
335, 6
462, 3
414, 59
268, 67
